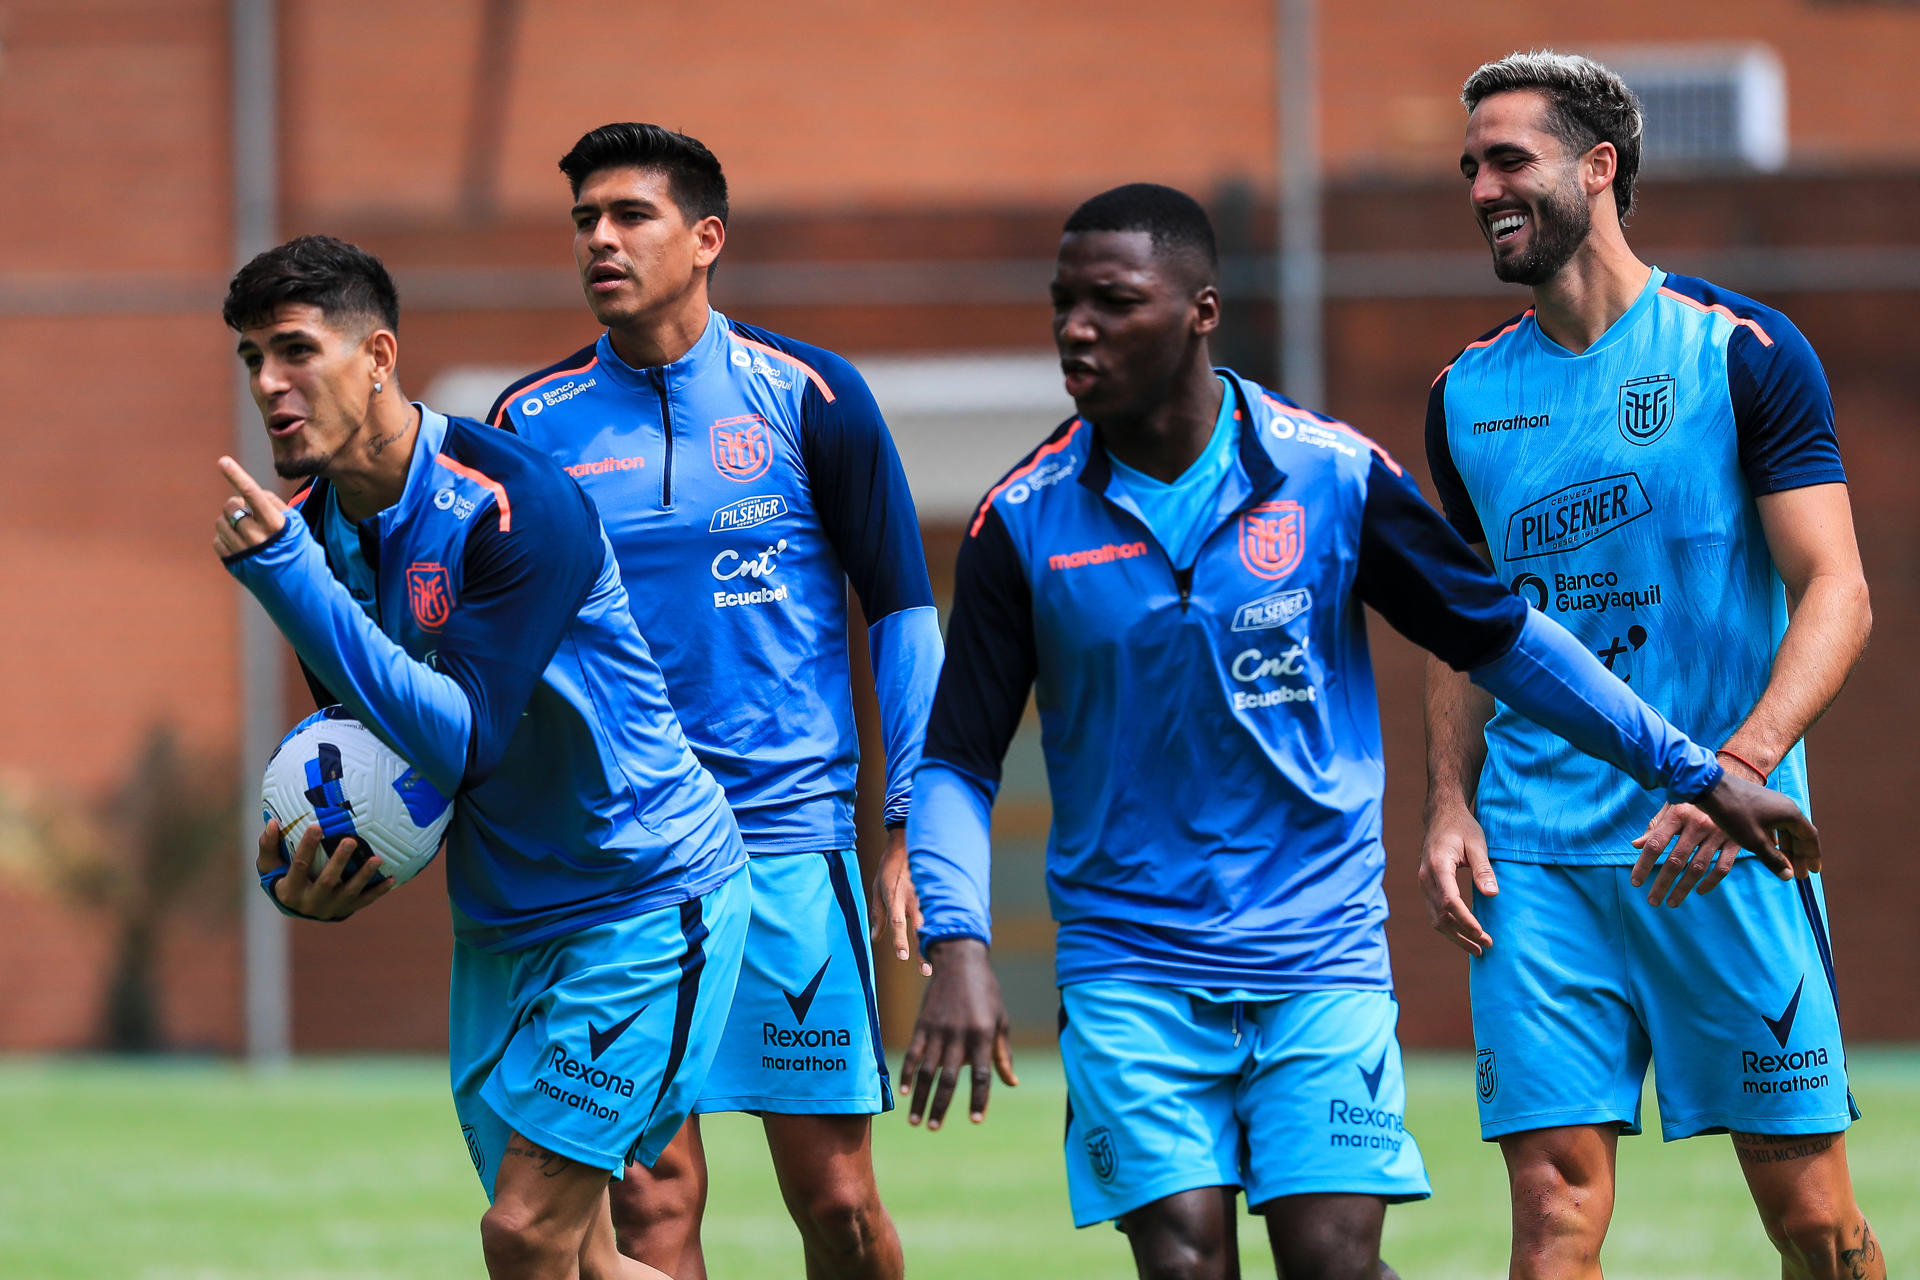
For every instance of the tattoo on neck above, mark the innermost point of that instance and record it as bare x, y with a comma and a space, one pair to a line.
379, 443
1777, 1148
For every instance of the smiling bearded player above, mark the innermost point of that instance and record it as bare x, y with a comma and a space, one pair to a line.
1188, 603
1649, 459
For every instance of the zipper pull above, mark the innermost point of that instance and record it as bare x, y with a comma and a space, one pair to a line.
1183, 578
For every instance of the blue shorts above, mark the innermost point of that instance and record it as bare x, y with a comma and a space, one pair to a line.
803, 1035
1168, 1091
1730, 995
594, 1044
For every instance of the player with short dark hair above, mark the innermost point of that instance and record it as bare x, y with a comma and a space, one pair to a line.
747, 479
452, 588
1650, 459
1180, 573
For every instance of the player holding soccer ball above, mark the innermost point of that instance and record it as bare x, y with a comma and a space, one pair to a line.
1649, 459
1187, 603
746, 479
452, 588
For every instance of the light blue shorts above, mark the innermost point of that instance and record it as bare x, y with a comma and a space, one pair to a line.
803, 1035
1168, 1091
594, 1044
1730, 995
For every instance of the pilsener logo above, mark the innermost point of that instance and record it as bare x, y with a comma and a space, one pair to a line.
1576, 515
1105, 554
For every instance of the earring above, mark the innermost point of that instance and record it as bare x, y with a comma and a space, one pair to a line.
378, 387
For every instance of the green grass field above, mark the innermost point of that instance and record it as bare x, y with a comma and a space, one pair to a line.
355, 1169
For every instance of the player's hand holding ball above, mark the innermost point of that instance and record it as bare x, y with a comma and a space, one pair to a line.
331, 894
252, 517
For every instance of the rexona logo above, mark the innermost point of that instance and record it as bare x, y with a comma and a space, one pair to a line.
1276, 610
573, 1071
1574, 516
748, 512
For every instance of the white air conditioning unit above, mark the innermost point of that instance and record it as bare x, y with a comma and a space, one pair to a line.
1707, 106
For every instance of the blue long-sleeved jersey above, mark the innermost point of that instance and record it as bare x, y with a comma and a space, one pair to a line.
742, 486
1211, 734
504, 664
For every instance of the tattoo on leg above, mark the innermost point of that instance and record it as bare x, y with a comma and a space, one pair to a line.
1777, 1148
1858, 1261
549, 1163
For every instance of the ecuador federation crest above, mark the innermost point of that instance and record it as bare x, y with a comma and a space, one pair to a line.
1100, 1153
1487, 1082
742, 447
1646, 408
429, 595
1272, 537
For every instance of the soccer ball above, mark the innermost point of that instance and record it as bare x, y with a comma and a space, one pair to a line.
331, 768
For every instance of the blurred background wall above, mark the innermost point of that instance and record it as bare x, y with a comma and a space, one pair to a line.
899, 176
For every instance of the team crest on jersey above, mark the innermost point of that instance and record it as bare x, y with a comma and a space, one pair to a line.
1272, 537
1646, 408
1485, 1078
429, 595
742, 447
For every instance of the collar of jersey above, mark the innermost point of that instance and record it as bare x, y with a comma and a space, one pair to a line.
710, 346
1257, 473
426, 446
1615, 331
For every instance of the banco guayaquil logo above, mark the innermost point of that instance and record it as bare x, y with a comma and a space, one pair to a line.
1484, 1078
1646, 408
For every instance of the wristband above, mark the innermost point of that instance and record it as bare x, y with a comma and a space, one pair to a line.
1737, 758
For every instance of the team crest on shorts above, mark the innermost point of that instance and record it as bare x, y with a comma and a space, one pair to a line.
1646, 408
1272, 537
474, 1153
1100, 1153
429, 595
742, 447
1484, 1078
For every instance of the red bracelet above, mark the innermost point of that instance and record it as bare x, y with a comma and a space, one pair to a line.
1740, 759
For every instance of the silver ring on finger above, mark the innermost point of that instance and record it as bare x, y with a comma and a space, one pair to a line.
235, 517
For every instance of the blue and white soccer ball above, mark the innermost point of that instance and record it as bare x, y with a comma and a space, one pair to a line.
331, 769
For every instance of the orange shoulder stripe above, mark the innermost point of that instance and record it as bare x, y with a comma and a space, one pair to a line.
1719, 309
1337, 425
980, 516
535, 386
1484, 342
499, 490
795, 361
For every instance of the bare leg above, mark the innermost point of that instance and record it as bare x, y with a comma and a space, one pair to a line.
825, 1167
1804, 1191
1561, 1183
1185, 1236
657, 1211
549, 1221
1326, 1237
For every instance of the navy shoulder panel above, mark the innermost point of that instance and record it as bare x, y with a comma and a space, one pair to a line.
1487, 339
577, 362
518, 475
1058, 442
830, 374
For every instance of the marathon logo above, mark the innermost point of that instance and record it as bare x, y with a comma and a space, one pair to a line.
1519, 422
1574, 516
1106, 554
1388, 1128
1794, 1071
605, 465
748, 512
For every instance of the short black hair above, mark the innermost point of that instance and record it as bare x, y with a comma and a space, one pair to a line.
1174, 220
693, 172
1587, 104
344, 281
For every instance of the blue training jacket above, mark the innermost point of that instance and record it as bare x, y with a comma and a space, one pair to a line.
505, 666
742, 486
1211, 734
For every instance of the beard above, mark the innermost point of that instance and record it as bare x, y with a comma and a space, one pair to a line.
1560, 226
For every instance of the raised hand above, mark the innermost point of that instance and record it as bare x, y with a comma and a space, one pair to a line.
252, 516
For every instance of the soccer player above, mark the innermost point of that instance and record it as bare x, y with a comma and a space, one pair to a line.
1650, 460
452, 588
745, 478
1179, 572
